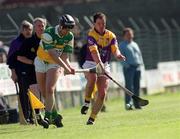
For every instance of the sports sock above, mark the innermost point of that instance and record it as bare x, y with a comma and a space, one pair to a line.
47, 114
92, 117
54, 114
87, 99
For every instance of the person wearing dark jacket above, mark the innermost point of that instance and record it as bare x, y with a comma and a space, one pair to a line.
25, 32
14, 65
26, 56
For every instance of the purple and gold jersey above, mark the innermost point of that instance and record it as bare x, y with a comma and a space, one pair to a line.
104, 44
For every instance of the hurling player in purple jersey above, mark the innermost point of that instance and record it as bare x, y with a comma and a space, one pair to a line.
101, 43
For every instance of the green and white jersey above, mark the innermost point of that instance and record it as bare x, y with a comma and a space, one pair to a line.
51, 39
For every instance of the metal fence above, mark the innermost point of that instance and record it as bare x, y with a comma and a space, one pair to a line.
159, 45
158, 40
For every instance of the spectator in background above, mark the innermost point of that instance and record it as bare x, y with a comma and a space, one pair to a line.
4, 47
3, 55
25, 32
26, 56
131, 67
55, 46
15, 65
101, 43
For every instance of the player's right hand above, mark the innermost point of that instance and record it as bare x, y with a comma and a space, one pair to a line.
69, 71
72, 71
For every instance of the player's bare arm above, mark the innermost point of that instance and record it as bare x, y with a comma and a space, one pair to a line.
58, 60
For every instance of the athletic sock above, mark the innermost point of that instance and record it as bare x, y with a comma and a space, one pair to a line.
92, 117
54, 114
87, 99
47, 115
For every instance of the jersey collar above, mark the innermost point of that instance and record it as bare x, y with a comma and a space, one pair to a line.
99, 33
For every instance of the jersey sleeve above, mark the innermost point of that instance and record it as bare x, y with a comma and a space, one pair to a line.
92, 44
12, 55
47, 41
114, 43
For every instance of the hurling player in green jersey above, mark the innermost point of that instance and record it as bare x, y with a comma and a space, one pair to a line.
56, 44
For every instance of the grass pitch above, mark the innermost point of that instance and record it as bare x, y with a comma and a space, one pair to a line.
159, 120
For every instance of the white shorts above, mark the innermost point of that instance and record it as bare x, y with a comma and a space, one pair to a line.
43, 67
90, 64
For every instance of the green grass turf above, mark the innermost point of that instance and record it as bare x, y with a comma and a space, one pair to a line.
159, 120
